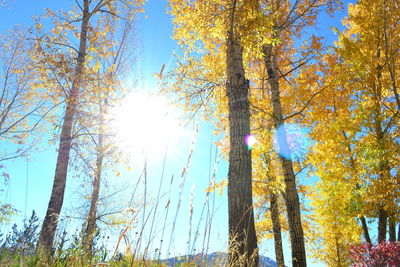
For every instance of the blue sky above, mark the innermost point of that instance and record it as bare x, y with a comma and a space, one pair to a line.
31, 180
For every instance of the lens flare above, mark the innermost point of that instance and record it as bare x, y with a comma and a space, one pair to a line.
250, 140
297, 139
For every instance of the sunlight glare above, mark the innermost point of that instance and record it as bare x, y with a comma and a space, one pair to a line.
147, 124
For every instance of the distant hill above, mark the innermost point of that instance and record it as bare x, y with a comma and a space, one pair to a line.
213, 259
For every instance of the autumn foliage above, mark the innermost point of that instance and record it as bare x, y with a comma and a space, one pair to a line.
385, 253
324, 117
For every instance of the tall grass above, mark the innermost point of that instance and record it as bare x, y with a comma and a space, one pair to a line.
148, 232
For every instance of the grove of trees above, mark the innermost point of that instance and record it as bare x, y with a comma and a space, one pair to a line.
290, 108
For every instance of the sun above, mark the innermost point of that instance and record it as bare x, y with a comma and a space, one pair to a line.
147, 124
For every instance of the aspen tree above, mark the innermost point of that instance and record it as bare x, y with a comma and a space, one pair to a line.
86, 13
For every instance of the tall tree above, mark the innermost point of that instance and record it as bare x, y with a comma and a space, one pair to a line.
242, 233
88, 13
284, 65
49, 226
358, 121
105, 92
222, 39
364, 48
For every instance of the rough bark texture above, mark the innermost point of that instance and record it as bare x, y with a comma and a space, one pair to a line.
291, 195
365, 229
392, 229
276, 227
49, 226
243, 249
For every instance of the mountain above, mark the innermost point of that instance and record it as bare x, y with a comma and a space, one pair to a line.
213, 259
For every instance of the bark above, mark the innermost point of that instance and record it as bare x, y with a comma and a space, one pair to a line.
276, 226
291, 195
339, 261
384, 168
392, 229
243, 249
92, 216
398, 233
365, 229
49, 226
382, 223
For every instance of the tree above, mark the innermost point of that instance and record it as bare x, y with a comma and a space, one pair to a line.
94, 132
88, 13
24, 108
272, 61
242, 233
22, 105
356, 127
268, 190
222, 38
286, 66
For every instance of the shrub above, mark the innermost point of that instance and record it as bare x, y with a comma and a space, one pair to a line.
383, 254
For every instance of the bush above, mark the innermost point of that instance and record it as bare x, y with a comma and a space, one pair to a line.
20, 243
383, 254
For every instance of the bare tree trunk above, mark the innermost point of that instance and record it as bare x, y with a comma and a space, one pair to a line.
276, 226
49, 226
291, 196
243, 249
365, 229
392, 229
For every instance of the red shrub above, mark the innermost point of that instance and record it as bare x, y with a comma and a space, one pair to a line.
383, 254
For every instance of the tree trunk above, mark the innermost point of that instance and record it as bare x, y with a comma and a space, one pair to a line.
276, 226
384, 168
365, 229
338, 260
92, 216
291, 196
49, 226
398, 233
392, 229
382, 224
243, 249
